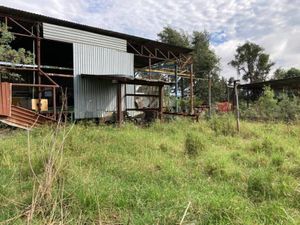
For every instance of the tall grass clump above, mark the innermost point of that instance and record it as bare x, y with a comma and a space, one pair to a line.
194, 145
267, 185
223, 125
267, 145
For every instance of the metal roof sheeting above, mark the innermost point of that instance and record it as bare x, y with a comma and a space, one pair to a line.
93, 97
71, 35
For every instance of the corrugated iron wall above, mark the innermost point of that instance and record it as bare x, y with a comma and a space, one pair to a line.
71, 35
102, 61
93, 97
5, 99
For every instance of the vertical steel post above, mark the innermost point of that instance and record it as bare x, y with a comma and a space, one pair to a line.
38, 62
54, 103
237, 108
161, 95
209, 93
34, 59
150, 68
182, 88
176, 87
119, 104
191, 91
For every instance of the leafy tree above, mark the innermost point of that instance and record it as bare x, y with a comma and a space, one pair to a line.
279, 74
205, 59
8, 54
293, 72
282, 74
174, 37
206, 62
251, 62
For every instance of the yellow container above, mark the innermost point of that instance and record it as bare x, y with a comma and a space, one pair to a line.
35, 106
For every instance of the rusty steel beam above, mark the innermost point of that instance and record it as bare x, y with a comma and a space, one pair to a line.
60, 75
23, 35
21, 26
33, 85
46, 75
157, 54
143, 109
142, 95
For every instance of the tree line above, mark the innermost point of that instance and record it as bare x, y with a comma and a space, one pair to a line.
251, 62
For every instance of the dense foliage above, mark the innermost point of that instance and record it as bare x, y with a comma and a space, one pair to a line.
282, 73
8, 54
271, 107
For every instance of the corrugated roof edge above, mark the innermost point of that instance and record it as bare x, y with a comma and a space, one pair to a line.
41, 18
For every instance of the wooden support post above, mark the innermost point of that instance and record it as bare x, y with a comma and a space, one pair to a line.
119, 104
237, 109
161, 96
191, 91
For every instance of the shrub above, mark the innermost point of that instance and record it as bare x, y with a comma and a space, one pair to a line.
289, 108
267, 104
269, 107
194, 144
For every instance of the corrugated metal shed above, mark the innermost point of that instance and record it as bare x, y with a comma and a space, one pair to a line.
71, 35
94, 98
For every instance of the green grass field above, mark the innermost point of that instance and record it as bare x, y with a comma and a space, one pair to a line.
135, 175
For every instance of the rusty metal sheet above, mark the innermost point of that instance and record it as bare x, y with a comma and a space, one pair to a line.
5, 99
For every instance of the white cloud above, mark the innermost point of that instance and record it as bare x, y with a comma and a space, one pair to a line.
274, 24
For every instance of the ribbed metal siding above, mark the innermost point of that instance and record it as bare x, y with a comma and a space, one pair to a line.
5, 99
71, 35
130, 99
102, 61
93, 97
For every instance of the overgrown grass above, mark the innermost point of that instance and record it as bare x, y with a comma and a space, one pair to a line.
134, 175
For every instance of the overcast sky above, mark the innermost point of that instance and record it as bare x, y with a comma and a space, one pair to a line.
273, 24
